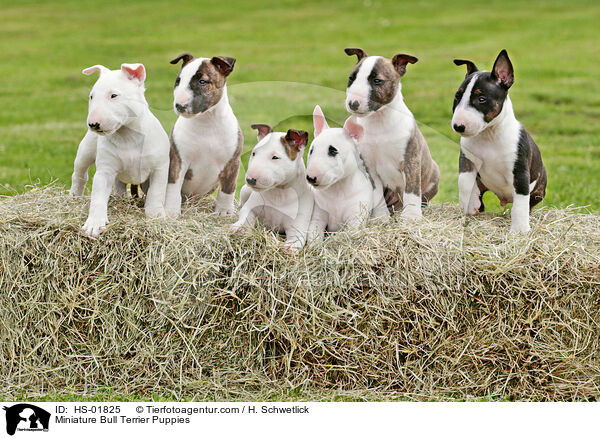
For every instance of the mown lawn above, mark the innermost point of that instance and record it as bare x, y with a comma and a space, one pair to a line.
290, 57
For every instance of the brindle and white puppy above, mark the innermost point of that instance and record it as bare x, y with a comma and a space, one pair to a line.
206, 141
393, 147
276, 193
496, 152
346, 194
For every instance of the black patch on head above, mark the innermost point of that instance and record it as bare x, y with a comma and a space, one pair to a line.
487, 96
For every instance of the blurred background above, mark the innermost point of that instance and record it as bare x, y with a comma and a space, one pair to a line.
289, 58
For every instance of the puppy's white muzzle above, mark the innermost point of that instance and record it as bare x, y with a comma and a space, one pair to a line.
467, 123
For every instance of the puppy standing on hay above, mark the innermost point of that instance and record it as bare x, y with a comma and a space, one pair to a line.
132, 147
345, 193
276, 193
206, 141
393, 147
496, 152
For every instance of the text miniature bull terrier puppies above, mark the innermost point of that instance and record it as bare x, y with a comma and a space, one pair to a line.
345, 193
132, 147
392, 146
206, 141
276, 193
496, 152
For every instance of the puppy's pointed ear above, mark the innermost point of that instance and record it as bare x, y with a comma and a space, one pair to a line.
401, 60
187, 58
94, 68
224, 64
471, 67
319, 121
360, 53
135, 72
263, 130
503, 71
355, 130
294, 141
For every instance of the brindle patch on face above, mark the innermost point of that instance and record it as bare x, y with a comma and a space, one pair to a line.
207, 86
174, 161
189, 174
293, 141
229, 174
383, 84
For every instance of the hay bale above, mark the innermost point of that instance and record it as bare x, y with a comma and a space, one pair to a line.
451, 308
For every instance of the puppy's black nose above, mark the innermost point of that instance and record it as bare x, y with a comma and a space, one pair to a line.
459, 128
251, 181
353, 104
180, 108
311, 180
94, 126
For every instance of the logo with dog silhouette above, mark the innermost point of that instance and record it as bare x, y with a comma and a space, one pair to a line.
24, 417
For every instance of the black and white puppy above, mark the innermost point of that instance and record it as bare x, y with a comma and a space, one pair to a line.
496, 152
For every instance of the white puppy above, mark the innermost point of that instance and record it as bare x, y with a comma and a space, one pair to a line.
345, 193
126, 141
276, 193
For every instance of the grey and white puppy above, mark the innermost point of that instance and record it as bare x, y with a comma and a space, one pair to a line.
206, 141
393, 147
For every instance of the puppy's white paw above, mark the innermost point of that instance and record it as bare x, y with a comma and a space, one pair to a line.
173, 212
224, 210
471, 207
155, 212
93, 227
76, 191
411, 213
237, 227
517, 227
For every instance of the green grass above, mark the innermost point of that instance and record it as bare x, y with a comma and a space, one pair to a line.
290, 57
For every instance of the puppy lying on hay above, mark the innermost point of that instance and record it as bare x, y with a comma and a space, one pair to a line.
447, 308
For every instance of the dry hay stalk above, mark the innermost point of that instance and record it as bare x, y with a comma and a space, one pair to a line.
448, 308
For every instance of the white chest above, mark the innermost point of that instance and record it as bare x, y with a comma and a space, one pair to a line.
494, 157
384, 146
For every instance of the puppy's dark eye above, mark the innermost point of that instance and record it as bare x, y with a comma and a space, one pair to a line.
351, 79
91, 97
332, 151
202, 82
177, 81
114, 96
310, 152
253, 153
377, 81
274, 157
482, 99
